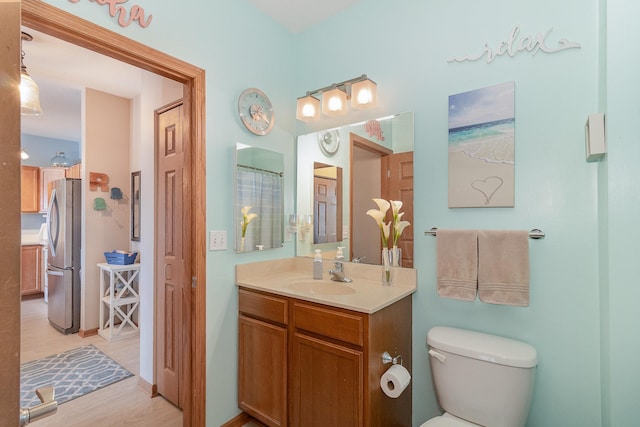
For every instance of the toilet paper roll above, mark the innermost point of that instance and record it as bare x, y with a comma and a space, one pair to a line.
395, 380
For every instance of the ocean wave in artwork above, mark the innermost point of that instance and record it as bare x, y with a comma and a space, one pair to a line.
492, 142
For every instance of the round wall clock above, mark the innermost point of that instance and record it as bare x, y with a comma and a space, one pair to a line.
329, 142
256, 111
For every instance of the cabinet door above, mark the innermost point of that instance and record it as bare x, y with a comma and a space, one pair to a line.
262, 371
327, 384
31, 277
30, 191
47, 176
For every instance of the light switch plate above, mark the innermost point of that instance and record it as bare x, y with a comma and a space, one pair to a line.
218, 240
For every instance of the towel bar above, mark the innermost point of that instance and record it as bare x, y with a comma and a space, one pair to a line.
533, 234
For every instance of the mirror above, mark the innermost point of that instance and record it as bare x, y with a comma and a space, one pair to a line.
135, 206
372, 159
259, 202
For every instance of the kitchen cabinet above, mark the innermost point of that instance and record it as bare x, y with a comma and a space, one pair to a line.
302, 363
30, 189
73, 171
31, 270
47, 176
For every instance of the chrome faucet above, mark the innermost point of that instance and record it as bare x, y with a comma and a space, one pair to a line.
337, 273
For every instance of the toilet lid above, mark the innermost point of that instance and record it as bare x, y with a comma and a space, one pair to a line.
447, 421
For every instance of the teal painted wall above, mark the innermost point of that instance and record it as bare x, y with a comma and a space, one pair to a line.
582, 283
623, 210
405, 48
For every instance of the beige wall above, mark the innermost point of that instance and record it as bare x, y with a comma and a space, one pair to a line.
106, 147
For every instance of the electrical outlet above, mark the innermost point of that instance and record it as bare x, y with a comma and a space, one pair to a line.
218, 240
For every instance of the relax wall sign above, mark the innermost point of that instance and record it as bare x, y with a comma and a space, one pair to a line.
515, 44
123, 15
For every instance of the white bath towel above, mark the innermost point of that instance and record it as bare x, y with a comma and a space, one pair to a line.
503, 267
457, 264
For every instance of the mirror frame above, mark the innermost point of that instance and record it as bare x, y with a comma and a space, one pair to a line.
136, 180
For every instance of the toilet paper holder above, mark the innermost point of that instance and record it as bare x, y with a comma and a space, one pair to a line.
386, 359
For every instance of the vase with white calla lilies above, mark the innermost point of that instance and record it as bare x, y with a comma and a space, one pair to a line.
391, 231
246, 219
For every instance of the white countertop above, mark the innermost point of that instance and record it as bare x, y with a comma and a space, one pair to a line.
275, 276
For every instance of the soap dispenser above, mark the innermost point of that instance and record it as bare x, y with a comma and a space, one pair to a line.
317, 265
340, 253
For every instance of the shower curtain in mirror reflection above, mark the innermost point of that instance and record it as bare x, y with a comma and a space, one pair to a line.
262, 191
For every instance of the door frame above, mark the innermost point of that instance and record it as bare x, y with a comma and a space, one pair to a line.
78, 31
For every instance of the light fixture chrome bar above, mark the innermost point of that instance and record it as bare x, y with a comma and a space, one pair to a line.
342, 85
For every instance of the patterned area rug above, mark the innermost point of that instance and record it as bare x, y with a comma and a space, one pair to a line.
72, 373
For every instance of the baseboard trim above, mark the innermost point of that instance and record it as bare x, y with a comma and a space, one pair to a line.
88, 333
150, 389
241, 419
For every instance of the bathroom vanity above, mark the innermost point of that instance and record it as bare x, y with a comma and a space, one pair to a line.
310, 351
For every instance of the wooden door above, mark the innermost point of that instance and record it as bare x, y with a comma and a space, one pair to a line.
30, 191
327, 384
170, 284
262, 371
397, 184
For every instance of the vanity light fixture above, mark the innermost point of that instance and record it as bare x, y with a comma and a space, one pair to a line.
29, 91
362, 92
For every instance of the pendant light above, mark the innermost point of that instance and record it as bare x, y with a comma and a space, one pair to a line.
29, 91
60, 161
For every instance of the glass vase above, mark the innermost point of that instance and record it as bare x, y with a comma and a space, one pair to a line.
387, 271
396, 255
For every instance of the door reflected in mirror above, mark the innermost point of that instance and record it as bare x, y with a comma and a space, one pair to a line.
327, 203
373, 160
259, 204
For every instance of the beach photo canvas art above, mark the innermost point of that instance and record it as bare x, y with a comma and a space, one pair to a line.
482, 147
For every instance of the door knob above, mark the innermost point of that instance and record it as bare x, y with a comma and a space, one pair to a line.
49, 406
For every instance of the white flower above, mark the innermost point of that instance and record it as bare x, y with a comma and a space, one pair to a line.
398, 225
378, 215
246, 218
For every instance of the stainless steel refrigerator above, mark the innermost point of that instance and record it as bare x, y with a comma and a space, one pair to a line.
63, 263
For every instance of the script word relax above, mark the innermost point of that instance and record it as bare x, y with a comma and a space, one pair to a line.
513, 46
125, 18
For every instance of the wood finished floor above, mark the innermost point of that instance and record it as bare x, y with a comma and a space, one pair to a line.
122, 403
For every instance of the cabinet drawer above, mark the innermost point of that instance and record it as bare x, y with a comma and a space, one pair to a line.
266, 307
329, 323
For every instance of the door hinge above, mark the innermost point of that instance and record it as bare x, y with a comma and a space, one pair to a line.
194, 281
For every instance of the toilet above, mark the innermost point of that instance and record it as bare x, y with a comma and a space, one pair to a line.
480, 379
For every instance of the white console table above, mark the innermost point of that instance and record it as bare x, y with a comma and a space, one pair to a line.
119, 300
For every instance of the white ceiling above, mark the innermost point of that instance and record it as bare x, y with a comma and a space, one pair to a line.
61, 69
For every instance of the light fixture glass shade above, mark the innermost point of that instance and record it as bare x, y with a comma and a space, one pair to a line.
29, 95
364, 94
60, 161
334, 102
23, 155
308, 108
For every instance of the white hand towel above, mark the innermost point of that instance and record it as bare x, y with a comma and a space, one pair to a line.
457, 264
503, 267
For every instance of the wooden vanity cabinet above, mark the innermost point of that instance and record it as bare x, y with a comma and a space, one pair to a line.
31, 270
262, 357
334, 362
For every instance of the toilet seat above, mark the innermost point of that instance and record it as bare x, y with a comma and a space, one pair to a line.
448, 420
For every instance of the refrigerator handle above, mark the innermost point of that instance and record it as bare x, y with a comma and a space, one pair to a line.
53, 204
54, 272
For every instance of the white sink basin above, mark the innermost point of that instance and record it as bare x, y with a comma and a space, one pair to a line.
321, 287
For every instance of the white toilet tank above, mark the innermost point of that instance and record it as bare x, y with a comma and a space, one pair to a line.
482, 378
